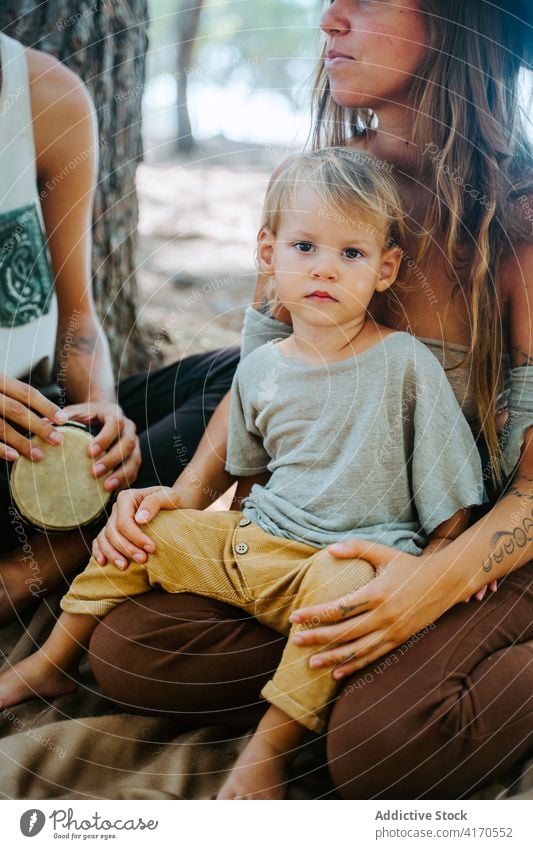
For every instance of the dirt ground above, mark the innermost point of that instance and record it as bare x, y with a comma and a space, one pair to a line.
197, 230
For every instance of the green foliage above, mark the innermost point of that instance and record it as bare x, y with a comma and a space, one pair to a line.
261, 43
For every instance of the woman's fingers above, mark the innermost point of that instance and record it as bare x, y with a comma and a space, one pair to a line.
357, 652
139, 506
123, 546
375, 553
334, 634
97, 553
19, 443
127, 505
108, 553
361, 659
121, 449
125, 475
15, 412
480, 595
346, 607
164, 499
30, 397
112, 428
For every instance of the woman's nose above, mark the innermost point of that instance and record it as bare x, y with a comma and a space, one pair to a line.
334, 20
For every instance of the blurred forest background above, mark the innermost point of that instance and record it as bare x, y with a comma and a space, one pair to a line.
247, 74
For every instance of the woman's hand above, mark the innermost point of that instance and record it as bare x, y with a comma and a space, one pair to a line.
22, 406
122, 539
115, 449
407, 594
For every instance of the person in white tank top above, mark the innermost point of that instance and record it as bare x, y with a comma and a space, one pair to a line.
46, 118
49, 330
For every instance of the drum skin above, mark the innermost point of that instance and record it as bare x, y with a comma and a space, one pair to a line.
60, 492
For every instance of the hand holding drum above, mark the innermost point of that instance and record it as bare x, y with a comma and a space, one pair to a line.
60, 492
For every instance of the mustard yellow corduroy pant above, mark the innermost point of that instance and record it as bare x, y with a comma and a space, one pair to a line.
224, 555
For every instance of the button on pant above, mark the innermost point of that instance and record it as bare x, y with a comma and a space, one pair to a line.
223, 555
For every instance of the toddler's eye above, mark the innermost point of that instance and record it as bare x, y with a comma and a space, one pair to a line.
352, 253
304, 247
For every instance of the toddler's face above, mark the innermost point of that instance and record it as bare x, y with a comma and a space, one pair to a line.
327, 266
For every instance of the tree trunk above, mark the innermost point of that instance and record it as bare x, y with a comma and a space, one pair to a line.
188, 22
105, 43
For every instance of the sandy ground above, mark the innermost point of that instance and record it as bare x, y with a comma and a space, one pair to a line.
197, 230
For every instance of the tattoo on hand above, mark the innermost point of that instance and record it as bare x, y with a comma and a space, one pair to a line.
348, 609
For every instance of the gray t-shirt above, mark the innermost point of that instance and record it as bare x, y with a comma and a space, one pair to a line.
373, 446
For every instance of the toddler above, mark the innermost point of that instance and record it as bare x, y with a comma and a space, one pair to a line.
355, 430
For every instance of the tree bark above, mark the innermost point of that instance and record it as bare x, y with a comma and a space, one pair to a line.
105, 43
188, 22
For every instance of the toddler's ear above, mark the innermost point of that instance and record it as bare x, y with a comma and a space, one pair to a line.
390, 267
265, 251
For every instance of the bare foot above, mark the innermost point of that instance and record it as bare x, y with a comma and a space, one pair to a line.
259, 773
32, 677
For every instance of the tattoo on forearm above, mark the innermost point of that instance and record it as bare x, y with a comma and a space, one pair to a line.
505, 543
520, 493
77, 344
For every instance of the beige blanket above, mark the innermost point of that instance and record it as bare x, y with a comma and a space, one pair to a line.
81, 747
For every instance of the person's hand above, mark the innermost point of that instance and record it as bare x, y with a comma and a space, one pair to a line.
480, 595
22, 406
407, 594
122, 539
115, 449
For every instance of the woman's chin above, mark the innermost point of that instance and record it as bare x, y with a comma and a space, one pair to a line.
348, 98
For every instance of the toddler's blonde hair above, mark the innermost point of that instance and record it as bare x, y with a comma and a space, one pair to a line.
354, 186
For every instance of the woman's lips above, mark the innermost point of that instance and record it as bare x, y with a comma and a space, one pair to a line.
336, 60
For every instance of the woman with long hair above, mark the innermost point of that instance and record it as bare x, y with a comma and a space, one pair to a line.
437, 694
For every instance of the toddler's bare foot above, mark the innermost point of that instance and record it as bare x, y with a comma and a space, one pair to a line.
259, 773
32, 677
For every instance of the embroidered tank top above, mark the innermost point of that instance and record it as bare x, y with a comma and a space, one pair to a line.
28, 305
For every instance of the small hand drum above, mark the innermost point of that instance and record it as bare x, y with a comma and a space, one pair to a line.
60, 492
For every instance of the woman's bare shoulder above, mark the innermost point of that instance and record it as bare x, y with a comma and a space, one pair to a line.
61, 105
52, 84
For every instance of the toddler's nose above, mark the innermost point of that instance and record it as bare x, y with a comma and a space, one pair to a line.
324, 269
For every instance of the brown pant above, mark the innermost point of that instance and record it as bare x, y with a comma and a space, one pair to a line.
444, 714
224, 555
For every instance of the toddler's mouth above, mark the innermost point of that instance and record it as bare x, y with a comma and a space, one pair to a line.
321, 296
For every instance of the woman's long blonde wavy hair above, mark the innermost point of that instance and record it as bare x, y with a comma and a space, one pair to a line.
468, 115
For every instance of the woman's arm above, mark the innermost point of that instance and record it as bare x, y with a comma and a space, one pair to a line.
66, 142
